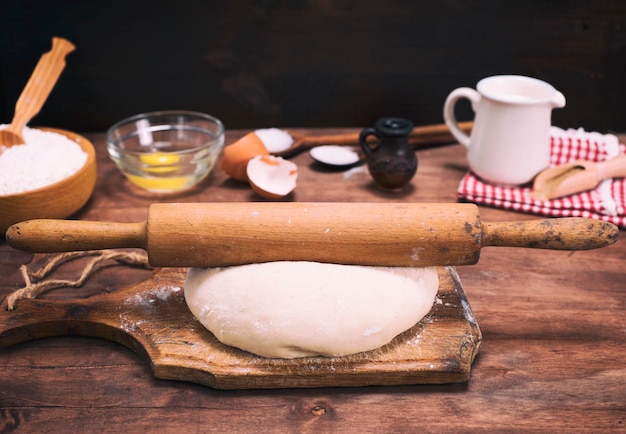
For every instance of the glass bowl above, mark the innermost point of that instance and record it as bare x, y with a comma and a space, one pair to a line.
166, 151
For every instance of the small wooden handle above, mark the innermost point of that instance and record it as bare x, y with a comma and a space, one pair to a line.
613, 168
53, 236
377, 234
569, 233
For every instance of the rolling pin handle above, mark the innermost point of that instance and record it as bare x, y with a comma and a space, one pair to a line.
568, 233
56, 236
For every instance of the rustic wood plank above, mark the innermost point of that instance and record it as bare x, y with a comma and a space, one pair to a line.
515, 383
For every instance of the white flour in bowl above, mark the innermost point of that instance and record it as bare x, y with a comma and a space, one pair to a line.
44, 159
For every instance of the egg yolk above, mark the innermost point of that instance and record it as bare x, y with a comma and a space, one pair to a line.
160, 162
161, 184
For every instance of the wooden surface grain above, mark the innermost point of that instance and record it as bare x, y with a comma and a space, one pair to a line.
551, 359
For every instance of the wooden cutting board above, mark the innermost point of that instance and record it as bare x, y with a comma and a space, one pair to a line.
152, 319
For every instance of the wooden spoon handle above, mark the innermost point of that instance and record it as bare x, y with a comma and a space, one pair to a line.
420, 137
420, 132
41, 82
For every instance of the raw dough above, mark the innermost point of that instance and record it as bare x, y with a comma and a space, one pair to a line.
298, 309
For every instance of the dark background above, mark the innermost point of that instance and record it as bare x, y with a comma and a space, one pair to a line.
316, 63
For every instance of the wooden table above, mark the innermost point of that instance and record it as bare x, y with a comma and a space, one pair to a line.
553, 355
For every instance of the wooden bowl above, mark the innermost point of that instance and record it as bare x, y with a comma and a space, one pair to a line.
58, 200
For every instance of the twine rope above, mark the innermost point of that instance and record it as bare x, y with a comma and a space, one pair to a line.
34, 279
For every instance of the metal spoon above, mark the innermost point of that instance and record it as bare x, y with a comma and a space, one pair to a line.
36, 92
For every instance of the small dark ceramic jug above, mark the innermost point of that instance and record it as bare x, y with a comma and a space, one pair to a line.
391, 159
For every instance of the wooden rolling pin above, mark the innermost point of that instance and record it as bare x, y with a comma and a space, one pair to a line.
383, 234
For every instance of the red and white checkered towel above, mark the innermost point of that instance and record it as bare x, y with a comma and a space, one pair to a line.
606, 202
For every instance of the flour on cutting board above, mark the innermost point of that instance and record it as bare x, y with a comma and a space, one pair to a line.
147, 301
149, 297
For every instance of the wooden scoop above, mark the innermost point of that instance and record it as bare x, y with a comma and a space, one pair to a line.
421, 137
383, 234
39, 86
576, 177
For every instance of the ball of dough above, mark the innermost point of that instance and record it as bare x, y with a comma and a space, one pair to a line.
298, 309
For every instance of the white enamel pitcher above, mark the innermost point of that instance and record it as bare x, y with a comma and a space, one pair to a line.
510, 139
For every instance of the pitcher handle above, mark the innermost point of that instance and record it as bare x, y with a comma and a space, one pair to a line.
449, 116
363, 139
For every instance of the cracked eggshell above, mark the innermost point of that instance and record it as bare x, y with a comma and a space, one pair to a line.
274, 139
238, 154
272, 177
